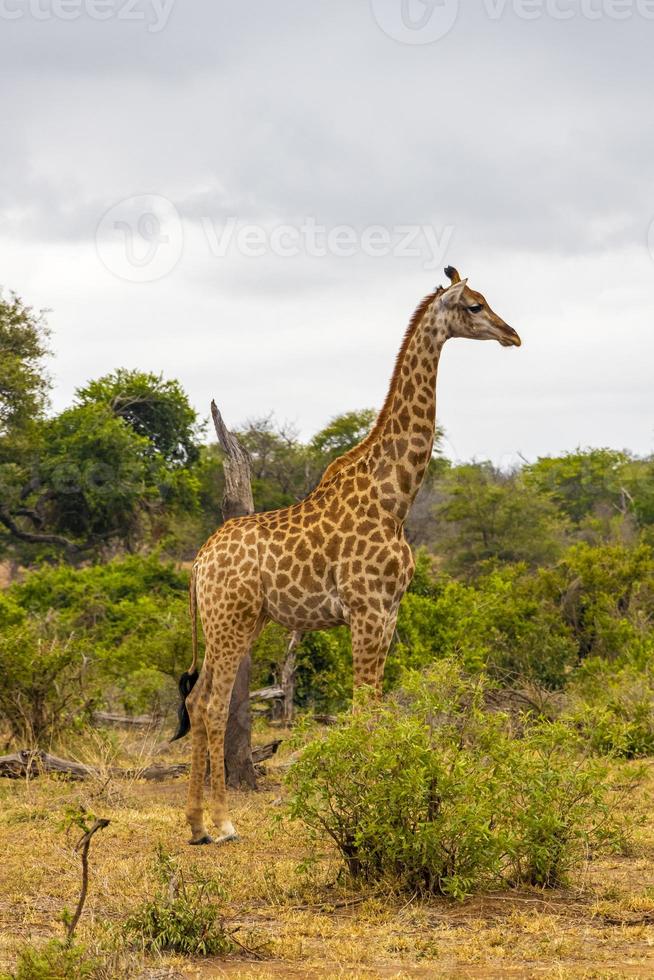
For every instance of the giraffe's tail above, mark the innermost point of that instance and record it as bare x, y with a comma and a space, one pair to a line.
189, 677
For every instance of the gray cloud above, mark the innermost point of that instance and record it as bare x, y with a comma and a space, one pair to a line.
530, 139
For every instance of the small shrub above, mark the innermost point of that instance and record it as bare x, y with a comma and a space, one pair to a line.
130, 615
180, 918
612, 707
434, 793
560, 806
55, 961
43, 687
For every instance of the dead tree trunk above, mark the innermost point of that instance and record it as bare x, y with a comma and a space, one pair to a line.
237, 501
287, 679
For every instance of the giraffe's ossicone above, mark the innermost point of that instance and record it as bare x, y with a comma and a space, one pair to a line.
337, 557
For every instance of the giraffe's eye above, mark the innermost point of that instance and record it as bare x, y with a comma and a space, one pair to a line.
477, 308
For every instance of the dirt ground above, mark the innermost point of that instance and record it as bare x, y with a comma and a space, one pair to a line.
300, 922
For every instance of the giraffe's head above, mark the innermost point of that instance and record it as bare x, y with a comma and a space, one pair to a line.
465, 313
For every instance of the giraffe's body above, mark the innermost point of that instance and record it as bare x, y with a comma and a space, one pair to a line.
337, 557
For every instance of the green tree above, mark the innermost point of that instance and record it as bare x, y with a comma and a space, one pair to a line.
342, 433
89, 479
606, 596
582, 481
278, 463
284, 470
488, 515
153, 407
24, 385
638, 489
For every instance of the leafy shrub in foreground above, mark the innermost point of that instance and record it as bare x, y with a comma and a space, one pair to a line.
433, 793
54, 961
560, 806
180, 918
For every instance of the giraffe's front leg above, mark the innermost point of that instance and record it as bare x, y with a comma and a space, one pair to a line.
216, 725
372, 633
233, 649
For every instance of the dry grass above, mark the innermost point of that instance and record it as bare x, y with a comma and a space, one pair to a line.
311, 923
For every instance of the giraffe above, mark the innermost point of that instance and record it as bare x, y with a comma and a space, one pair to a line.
337, 557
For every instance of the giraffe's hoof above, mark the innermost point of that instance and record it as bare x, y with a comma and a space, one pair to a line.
205, 839
227, 838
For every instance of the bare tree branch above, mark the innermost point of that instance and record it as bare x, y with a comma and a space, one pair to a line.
33, 537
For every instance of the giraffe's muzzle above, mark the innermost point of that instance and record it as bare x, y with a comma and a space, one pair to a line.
509, 338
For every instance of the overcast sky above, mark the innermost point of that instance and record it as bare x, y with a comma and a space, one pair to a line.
252, 197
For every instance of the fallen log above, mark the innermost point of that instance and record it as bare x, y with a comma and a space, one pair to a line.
32, 763
35, 762
152, 721
267, 694
262, 752
139, 721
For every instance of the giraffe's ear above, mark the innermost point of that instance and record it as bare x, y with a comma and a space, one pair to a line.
453, 295
452, 274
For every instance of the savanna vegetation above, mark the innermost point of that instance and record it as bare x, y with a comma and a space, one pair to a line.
494, 809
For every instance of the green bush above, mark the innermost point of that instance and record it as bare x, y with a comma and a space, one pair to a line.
88, 594
180, 918
503, 624
10, 612
432, 793
560, 807
612, 707
55, 961
131, 618
605, 595
323, 673
45, 687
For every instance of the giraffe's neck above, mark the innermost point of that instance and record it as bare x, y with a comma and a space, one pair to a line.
402, 441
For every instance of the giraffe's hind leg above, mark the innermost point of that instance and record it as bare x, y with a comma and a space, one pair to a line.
224, 651
195, 703
216, 721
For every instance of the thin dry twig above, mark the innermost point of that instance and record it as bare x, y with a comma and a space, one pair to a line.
246, 949
84, 843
